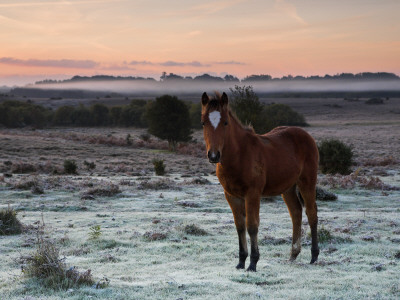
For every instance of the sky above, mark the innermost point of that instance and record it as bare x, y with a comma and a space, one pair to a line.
42, 39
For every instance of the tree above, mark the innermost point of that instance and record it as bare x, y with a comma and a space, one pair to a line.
246, 105
100, 114
63, 115
195, 115
168, 119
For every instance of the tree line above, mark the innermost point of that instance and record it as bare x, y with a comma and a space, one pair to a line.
17, 114
171, 77
166, 117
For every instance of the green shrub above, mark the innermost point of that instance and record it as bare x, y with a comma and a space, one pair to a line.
324, 235
89, 165
159, 167
64, 115
95, 232
245, 104
195, 115
263, 118
9, 223
168, 119
374, 101
19, 114
129, 139
275, 115
335, 157
99, 114
70, 167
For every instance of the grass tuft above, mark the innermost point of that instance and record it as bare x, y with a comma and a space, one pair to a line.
193, 229
324, 235
46, 265
9, 223
154, 236
105, 191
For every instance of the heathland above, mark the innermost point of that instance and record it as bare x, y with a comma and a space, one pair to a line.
172, 237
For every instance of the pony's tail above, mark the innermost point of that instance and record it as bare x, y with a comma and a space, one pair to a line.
301, 200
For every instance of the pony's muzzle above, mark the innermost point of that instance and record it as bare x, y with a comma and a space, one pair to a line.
214, 157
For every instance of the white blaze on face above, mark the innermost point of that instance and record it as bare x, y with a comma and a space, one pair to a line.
215, 117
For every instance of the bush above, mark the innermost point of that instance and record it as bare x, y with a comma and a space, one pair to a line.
250, 110
95, 232
20, 114
195, 115
89, 165
64, 115
335, 157
99, 114
275, 115
70, 167
168, 119
246, 105
374, 101
81, 116
133, 114
159, 167
9, 224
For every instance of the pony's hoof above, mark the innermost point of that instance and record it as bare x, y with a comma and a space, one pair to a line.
313, 260
292, 258
240, 266
314, 256
251, 269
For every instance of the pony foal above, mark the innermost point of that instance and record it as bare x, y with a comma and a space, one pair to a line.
250, 166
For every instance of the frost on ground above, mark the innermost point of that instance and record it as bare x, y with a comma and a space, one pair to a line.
173, 237
151, 246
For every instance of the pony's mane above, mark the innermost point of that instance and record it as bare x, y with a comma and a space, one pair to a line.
215, 104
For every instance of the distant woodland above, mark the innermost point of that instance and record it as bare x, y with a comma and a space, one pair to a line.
230, 78
366, 84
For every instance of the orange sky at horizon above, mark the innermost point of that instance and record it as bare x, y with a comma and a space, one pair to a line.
58, 39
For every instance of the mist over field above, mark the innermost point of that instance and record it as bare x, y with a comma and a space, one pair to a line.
152, 87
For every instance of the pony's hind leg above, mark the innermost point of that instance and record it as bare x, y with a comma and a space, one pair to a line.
308, 194
239, 214
295, 210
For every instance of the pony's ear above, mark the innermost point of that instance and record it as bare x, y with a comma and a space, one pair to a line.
204, 99
224, 99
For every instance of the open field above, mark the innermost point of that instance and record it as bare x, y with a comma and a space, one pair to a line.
173, 237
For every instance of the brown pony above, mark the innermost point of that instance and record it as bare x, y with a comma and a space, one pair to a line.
250, 166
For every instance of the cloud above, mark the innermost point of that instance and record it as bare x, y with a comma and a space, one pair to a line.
54, 63
171, 63
54, 3
142, 62
289, 10
230, 62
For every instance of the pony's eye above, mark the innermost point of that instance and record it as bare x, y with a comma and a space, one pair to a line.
202, 123
226, 123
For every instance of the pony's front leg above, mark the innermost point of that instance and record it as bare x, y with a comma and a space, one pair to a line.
239, 214
252, 222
